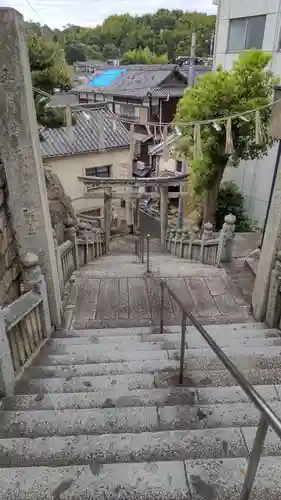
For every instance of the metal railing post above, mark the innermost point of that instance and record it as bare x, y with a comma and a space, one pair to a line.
183, 329
142, 249
162, 291
254, 458
147, 256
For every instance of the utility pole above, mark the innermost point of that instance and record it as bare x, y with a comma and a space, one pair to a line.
191, 73
183, 202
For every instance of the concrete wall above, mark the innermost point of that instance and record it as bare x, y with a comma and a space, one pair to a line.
68, 168
9, 263
170, 165
254, 177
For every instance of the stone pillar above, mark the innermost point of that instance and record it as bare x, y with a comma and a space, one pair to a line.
71, 234
164, 201
137, 210
107, 216
129, 211
226, 239
59, 264
273, 310
270, 247
21, 155
7, 372
33, 279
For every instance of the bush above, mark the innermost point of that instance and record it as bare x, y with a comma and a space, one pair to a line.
231, 201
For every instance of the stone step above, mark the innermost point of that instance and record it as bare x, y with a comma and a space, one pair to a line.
122, 397
130, 481
165, 341
98, 354
216, 378
224, 479
96, 369
212, 416
235, 329
165, 373
245, 357
61, 451
85, 384
174, 480
75, 422
117, 397
128, 420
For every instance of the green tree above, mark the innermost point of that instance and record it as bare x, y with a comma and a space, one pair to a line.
48, 71
163, 32
248, 85
143, 56
47, 63
75, 52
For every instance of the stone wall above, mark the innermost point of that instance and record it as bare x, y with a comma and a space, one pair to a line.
9, 261
60, 209
60, 205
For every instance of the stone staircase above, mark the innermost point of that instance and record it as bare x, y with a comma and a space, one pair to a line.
100, 416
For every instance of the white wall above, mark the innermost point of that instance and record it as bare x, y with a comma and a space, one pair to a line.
68, 168
253, 177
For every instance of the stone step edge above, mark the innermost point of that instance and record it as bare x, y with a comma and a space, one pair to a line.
152, 446
150, 329
196, 394
169, 480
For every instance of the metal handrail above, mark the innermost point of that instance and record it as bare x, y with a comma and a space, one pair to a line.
140, 249
267, 418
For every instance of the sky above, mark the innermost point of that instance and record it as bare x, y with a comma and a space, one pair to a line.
59, 13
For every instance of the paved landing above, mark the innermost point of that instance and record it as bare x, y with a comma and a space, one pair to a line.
114, 292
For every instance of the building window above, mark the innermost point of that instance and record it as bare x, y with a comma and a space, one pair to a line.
246, 33
179, 166
103, 171
127, 111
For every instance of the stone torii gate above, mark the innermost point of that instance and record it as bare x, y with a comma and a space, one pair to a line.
135, 190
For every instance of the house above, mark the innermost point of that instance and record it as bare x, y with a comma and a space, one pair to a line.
138, 94
142, 94
173, 165
97, 145
240, 26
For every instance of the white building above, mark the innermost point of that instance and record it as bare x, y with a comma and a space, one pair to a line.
241, 25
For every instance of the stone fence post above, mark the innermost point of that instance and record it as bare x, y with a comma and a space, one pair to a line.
226, 239
33, 279
273, 309
59, 264
7, 373
206, 235
71, 234
21, 155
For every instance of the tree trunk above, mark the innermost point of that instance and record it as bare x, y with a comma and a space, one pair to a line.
211, 197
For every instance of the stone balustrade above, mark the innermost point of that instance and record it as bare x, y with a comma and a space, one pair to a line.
207, 247
84, 244
273, 309
24, 324
67, 260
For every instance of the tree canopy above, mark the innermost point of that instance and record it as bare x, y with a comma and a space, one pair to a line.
164, 32
48, 72
143, 56
247, 86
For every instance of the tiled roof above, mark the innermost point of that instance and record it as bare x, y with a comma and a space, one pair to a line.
64, 99
84, 136
168, 91
135, 81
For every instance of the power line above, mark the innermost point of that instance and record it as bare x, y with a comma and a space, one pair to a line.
34, 10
